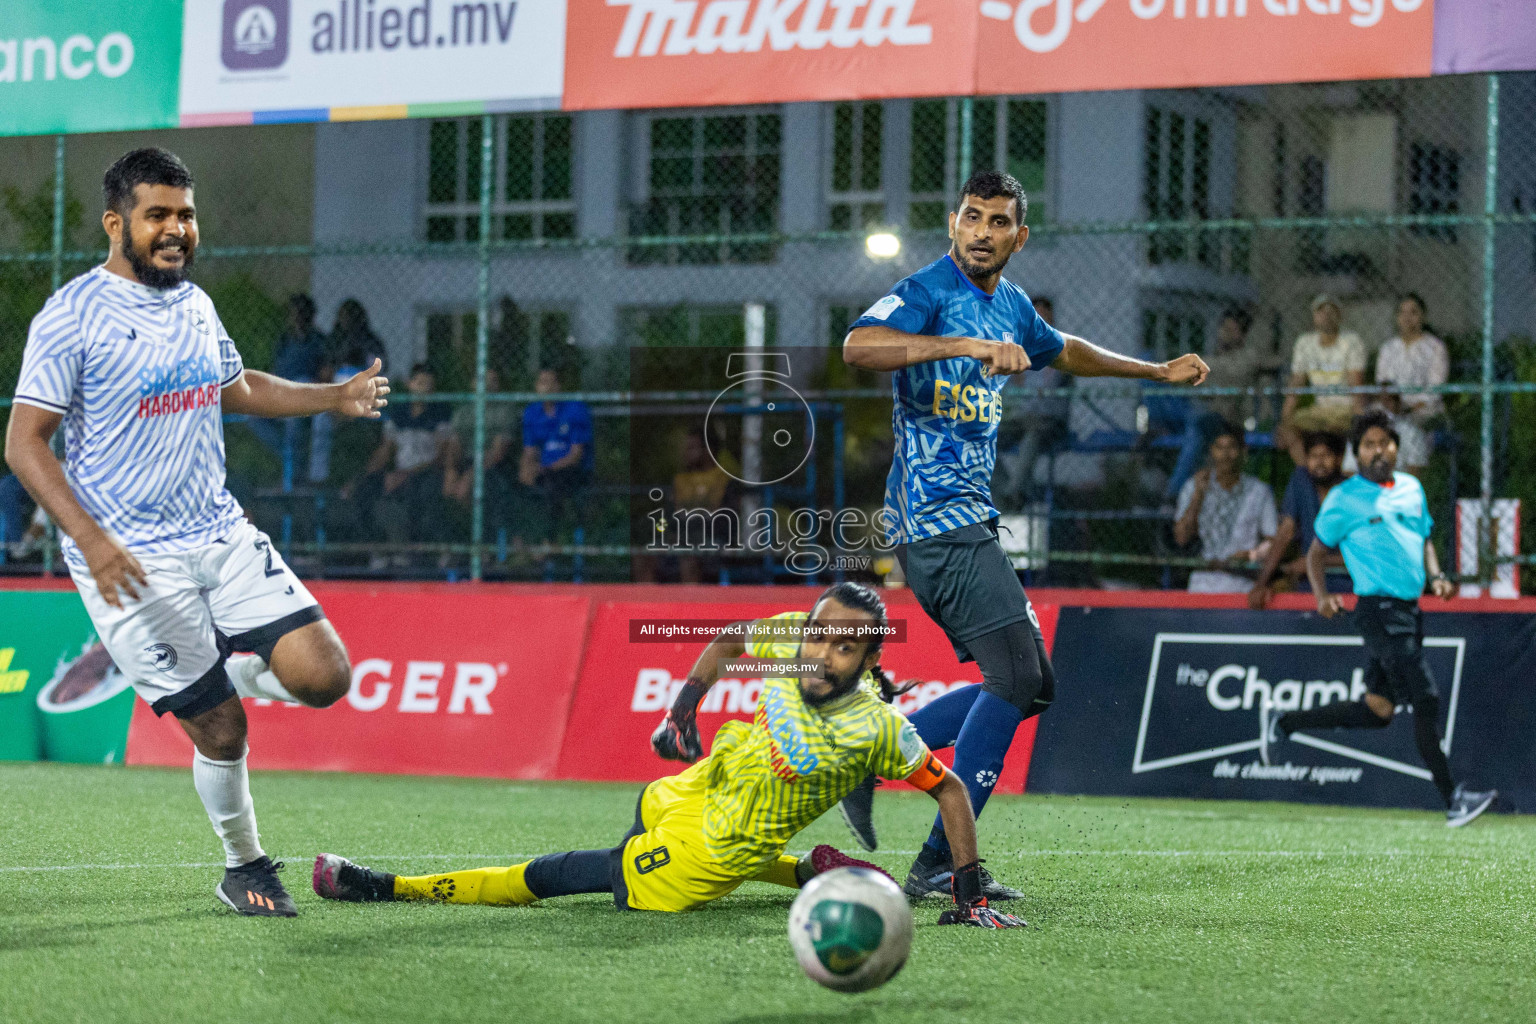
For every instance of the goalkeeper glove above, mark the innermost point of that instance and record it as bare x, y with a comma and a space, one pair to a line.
677, 737
971, 906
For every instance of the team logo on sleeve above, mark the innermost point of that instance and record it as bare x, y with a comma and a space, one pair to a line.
909, 743
883, 309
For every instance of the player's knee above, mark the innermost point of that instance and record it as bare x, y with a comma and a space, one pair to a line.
332, 679
1380, 707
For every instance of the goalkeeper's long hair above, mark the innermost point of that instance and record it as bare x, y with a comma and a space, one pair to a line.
866, 599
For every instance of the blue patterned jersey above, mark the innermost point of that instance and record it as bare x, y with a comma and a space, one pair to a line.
945, 413
138, 375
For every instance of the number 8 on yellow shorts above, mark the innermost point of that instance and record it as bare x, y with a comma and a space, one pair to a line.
666, 867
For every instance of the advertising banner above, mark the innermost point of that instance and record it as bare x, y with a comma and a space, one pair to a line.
88, 67
40, 634
445, 681
246, 61
1069, 45
663, 53
1173, 708
625, 689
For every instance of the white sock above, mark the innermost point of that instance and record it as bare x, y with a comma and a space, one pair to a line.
252, 678
225, 790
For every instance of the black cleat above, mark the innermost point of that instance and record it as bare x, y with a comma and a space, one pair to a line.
254, 890
1467, 804
337, 878
858, 810
928, 882
925, 882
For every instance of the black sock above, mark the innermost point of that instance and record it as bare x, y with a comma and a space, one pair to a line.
935, 850
1339, 715
1426, 734
567, 874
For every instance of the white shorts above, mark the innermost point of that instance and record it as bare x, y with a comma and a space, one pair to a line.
234, 595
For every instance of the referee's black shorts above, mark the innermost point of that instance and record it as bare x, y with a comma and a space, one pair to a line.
1393, 630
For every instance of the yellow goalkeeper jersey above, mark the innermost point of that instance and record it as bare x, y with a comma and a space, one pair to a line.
766, 781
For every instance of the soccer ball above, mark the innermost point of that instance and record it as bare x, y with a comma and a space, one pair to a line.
851, 929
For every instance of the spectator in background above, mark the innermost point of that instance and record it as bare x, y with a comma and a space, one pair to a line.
401, 480
1232, 513
16, 507
699, 487
1310, 484
1414, 358
1234, 365
352, 337
1042, 423
1322, 357
302, 349
459, 461
557, 456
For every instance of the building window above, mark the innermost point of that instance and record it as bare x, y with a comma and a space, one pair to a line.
1166, 335
532, 197
520, 343
854, 197
714, 175
1176, 185
1006, 134
689, 326
1434, 187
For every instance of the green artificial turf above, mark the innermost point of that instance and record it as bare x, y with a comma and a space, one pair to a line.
1139, 911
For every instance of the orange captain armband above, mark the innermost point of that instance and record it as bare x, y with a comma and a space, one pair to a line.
929, 774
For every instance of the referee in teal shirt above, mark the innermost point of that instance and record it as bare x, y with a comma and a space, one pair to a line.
1381, 522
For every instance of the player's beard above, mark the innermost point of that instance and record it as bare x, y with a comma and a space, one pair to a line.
979, 271
1378, 470
143, 265
841, 687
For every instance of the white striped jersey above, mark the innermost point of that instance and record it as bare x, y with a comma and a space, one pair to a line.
946, 412
138, 374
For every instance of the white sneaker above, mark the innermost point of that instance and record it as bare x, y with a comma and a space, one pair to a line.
1467, 804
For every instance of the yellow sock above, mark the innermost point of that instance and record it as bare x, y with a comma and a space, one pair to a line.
780, 872
496, 887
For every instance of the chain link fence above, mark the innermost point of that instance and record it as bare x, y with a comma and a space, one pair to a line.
617, 259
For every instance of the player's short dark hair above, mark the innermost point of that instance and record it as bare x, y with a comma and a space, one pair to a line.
148, 166
1043, 300
422, 368
1333, 442
995, 185
1231, 430
1368, 419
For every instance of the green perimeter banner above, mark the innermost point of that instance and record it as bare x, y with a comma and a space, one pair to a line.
89, 65
61, 698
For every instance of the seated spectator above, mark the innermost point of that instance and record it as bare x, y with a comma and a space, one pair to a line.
459, 462
22, 524
1231, 512
401, 480
1234, 365
1041, 425
1310, 484
353, 346
1415, 358
557, 450
1323, 357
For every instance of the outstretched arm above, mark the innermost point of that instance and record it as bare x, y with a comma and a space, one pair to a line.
255, 393
677, 737
1085, 359
885, 348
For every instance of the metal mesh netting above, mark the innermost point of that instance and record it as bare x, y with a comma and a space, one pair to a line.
599, 246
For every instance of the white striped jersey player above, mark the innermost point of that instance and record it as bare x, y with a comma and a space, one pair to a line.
138, 374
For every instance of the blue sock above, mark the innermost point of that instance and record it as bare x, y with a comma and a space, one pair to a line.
939, 721
979, 751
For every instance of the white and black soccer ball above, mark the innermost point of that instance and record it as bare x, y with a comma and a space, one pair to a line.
851, 929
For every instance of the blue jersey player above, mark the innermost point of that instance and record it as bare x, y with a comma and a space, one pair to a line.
951, 334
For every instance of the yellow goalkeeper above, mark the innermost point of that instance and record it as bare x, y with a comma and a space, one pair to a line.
728, 819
